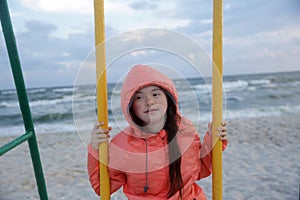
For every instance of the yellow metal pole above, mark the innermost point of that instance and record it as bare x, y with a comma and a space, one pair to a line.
217, 81
101, 95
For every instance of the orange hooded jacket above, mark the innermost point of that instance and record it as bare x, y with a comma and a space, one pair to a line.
139, 162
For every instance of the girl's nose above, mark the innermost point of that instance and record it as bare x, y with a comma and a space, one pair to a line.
149, 102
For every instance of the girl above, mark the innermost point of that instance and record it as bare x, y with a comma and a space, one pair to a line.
159, 155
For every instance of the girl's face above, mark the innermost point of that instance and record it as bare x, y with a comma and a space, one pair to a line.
150, 105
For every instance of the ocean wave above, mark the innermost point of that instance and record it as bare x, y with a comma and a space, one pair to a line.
235, 98
11, 119
36, 103
295, 83
252, 85
239, 85
8, 92
203, 88
15, 119
11, 104
259, 82
49, 102
39, 90
66, 89
83, 98
236, 86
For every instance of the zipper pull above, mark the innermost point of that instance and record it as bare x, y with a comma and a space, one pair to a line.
146, 187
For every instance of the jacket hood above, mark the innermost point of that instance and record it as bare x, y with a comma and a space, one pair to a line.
141, 76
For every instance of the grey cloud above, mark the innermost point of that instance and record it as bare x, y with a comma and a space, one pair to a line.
241, 18
39, 27
39, 48
47, 59
247, 19
41, 52
245, 23
143, 5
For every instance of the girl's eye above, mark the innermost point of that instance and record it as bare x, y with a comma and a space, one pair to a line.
138, 97
156, 94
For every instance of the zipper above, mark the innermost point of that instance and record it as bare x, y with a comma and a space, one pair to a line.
146, 187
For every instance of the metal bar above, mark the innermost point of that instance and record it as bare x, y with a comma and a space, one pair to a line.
22, 96
217, 84
37, 166
101, 95
19, 140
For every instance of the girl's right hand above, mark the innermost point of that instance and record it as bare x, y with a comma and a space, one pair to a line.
99, 135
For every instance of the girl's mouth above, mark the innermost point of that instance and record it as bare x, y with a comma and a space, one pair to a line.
151, 110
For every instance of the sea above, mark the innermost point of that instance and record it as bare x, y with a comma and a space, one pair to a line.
69, 108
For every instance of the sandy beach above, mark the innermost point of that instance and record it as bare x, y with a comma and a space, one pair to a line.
261, 162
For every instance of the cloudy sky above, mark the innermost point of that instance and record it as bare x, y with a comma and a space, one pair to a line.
54, 37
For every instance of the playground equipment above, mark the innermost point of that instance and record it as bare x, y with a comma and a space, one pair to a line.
217, 83
101, 94
217, 89
23, 102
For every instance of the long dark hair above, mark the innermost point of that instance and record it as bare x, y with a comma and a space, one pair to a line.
171, 127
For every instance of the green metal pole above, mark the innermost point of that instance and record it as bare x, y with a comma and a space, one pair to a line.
22, 96
9, 146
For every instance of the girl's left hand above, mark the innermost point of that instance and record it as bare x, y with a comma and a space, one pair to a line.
222, 133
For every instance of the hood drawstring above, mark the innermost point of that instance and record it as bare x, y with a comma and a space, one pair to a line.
146, 187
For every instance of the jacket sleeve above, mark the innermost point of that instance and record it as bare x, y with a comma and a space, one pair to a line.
117, 178
206, 155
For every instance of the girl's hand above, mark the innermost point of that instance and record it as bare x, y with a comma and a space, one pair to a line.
99, 135
222, 133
